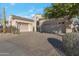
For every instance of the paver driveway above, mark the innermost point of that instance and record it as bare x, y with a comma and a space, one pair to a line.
30, 44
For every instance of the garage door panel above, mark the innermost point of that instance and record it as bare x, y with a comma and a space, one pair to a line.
24, 28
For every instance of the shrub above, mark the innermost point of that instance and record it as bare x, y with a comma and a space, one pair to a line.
71, 44
14, 29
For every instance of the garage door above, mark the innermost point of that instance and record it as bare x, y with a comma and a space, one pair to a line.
23, 27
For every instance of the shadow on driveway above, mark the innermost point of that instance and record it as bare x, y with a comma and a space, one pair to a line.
57, 44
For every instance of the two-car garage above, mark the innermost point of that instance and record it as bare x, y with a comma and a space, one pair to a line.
25, 27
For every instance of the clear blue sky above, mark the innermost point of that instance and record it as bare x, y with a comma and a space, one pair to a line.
24, 9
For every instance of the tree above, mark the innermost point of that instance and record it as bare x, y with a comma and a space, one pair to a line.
61, 10
4, 20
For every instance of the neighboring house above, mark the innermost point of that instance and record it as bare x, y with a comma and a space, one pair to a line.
38, 20
48, 25
51, 25
23, 24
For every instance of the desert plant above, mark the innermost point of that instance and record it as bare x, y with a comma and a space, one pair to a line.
71, 44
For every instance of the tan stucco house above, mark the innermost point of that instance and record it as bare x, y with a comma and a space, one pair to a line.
23, 24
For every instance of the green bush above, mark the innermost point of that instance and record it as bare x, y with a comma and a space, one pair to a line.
71, 44
14, 30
